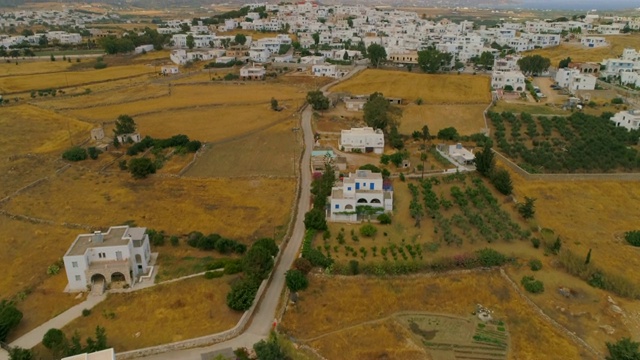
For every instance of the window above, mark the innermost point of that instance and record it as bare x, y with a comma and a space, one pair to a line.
77, 277
74, 264
102, 255
349, 188
337, 206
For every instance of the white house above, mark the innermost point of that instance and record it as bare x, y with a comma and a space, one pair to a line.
461, 155
614, 67
630, 78
169, 70
574, 79
178, 57
501, 79
628, 119
362, 139
107, 354
121, 253
143, 49
508, 63
364, 188
126, 138
594, 41
252, 72
324, 70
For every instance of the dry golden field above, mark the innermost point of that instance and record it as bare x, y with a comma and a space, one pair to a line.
175, 205
161, 314
213, 123
331, 304
578, 53
132, 93
589, 214
467, 119
188, 97
27, 83
247, 156
31, 67
432, 89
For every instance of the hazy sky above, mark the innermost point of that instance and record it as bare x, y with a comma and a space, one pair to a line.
581, 4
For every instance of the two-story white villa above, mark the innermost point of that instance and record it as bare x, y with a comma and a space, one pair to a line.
628, 119
574, 79
364, 139
121, 253
252, 72
364, 188
501, 79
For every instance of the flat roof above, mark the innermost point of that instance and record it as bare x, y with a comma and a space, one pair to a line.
115, 236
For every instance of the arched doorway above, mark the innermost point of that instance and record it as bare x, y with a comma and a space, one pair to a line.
376, 201
348, 207
362, 201
118, 277
98, 283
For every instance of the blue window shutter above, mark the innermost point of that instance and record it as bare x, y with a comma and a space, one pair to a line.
337, 206
371, 186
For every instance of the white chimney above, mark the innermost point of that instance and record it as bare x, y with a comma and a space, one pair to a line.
97, 236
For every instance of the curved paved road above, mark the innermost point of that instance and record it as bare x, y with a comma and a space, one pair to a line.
264, 314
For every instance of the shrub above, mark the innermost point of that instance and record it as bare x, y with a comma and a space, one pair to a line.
296, 280
174, 241
384, 219
368, 230
242, 294
617, 101
303, 265
623, 349
535, 264
53, 269
140, 168
354, 267
75, 153
633, 237
233, 267
100, 65
213, 274
86, 312
535, 242
315, 219
93, 152
501, 179
532, 285
489, 257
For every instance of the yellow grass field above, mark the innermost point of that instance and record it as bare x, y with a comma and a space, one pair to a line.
575, 211
161, 314
432, 89
579, 53
72, 78
331, 304
185, 97
467, 119
32, 67
278, 144
28, 129
175, 205
124, 94
211, 123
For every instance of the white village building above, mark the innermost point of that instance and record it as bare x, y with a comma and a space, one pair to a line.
120, 254
574, 79
628, 119
501, 79
364, 188
364, 139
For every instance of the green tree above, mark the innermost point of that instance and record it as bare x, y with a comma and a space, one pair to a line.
376, 111
10, 317
377, 54
140, 168
75, 153
431, 60
502, 181
316, 38
56, 341
18, 353
315, 219
269, 244
564, 63
303, 265
191, 42
242, 294
623, 349
317, 100
93, 152
485, 161
296, 280
240, 39
274, 104
125, 125
528, 209
257, 263
425, 135
534, 64
269, 350
486, 59
448, 133
368, 230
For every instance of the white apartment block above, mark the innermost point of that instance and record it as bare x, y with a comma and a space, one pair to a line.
627, 119
630, 78
64, 37
501, 79
508, 63
593, 41
614, 67
252, 72
121, 253
362, 188
573, 79
364, 139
